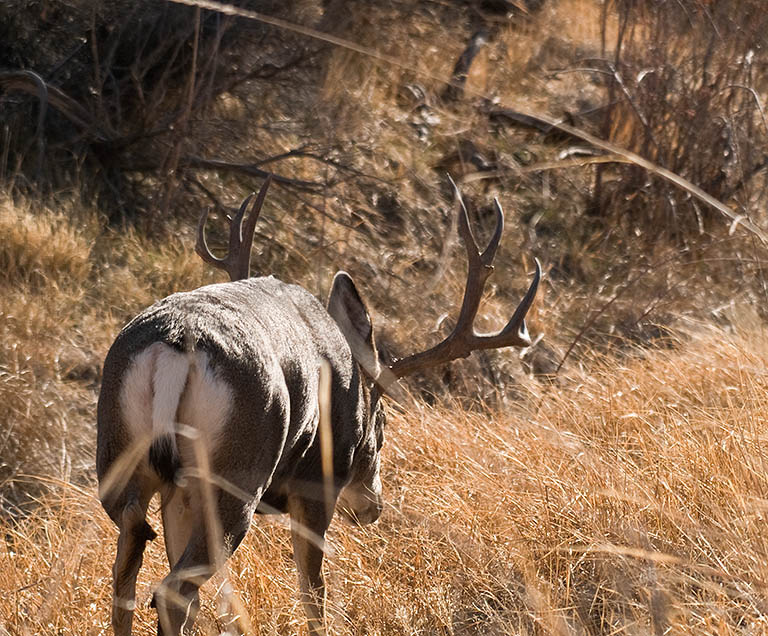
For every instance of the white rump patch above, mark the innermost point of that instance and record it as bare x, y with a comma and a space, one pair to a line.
162, 384
136, 392
170, 377
207, 401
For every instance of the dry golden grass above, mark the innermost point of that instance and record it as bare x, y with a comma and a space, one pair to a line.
631, 499
45, 264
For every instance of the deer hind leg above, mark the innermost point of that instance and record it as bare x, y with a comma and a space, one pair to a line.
134, 533
181, 517
309, 521
177, 598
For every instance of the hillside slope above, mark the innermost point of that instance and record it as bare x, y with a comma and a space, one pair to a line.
632, 499
610, 479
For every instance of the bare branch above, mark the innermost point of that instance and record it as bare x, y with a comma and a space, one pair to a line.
32, 83
250, 169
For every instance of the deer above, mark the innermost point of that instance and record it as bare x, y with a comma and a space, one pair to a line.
212, 398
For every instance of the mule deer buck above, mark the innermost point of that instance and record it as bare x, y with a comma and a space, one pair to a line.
233, 369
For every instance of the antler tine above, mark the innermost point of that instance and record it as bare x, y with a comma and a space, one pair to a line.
227, 263
465, 230
515, 333
246, 231
463, 339
236, 224
201, 247
490, 252
478, 269
237, 261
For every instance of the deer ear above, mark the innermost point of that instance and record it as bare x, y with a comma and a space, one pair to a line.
348, 310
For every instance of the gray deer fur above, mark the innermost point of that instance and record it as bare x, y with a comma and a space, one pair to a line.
211, 398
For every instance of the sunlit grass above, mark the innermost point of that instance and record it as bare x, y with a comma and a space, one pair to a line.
630, 498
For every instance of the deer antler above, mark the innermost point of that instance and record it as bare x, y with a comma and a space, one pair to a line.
463, 340
238, 259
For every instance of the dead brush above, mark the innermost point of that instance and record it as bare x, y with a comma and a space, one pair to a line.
684, 90
42, 247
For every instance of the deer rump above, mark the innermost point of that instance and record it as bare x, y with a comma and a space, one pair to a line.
238, 365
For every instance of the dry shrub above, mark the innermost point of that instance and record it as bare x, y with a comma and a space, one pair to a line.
59, 551
653, 510
45, 267
125, 80
45, 427
41, 246
632, 498
684, 85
